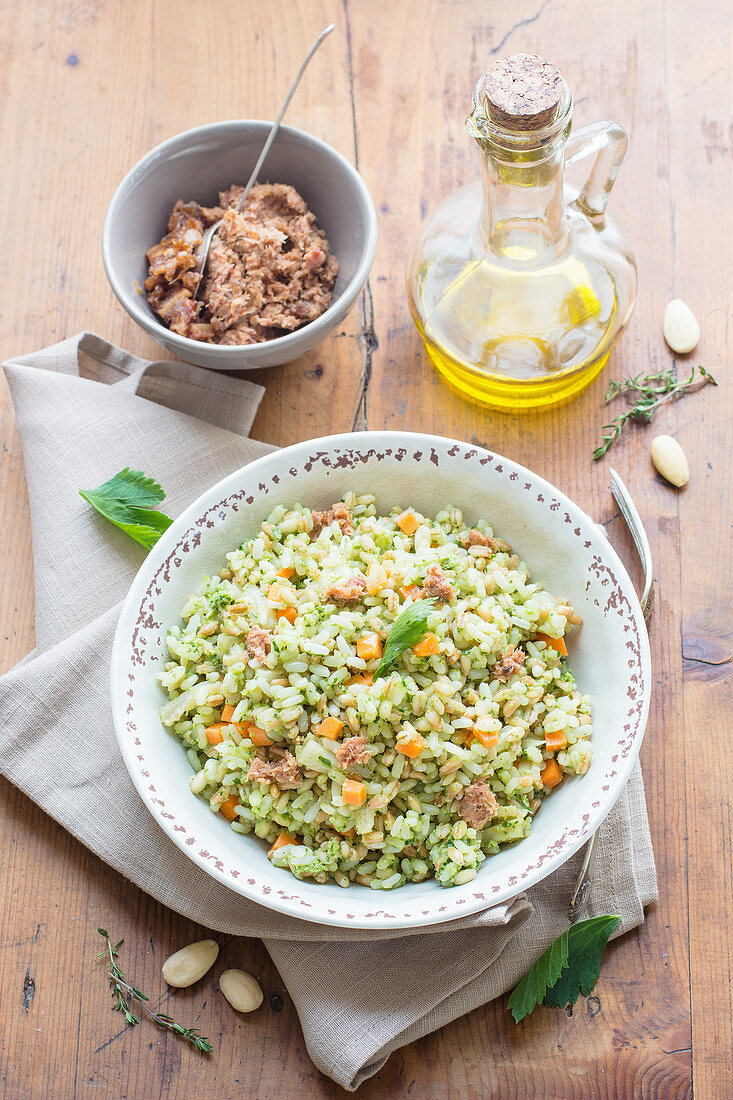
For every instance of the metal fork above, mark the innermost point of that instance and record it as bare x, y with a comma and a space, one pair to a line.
628, 510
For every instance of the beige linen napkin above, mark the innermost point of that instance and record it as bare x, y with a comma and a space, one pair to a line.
85, 409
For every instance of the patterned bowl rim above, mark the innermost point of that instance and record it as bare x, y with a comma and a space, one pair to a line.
243, 487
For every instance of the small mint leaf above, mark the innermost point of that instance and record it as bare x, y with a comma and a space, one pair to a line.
406, 631
586, 943
528, 993
127, 500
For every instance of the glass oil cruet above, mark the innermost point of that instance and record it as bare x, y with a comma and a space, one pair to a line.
519, 286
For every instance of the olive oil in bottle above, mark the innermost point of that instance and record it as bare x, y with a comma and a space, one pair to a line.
518, 288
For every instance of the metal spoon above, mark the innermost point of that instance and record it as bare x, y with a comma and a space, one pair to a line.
641, 542
203, 253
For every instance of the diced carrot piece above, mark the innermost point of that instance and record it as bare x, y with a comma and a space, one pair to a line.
240, 727
556, 741
377, 577
213, 733
409, 591
554, 643
427, 647
226, 713
277, 595
330, 728
411, 748
551, 774
361, 678
228, 808
258, 737
353, 792
408, 522
285, 572
488, 740
368, 647
237, 608
282, 840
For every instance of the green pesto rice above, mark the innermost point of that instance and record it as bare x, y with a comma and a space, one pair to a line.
409, 826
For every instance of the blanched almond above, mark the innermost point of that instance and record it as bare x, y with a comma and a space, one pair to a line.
670, 460
681, 330
241, 990
190, 963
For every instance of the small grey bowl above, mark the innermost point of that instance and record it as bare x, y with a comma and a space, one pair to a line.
197, 164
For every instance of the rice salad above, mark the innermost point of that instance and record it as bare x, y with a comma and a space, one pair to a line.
423, 770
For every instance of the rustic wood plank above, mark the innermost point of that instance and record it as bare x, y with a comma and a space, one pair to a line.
700, 155
392, 93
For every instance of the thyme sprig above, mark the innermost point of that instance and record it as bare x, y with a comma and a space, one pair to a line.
123, 993
647, 393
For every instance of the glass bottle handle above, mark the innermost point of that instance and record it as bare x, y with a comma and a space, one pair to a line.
609, 142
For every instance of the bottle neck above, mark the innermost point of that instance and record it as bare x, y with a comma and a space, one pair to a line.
523, 212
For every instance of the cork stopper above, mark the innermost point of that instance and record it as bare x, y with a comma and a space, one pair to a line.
523, 92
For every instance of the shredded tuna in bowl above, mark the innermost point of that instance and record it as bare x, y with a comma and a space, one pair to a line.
373, 779
269, 272
468, 762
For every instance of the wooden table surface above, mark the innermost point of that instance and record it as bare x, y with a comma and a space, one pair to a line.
87, 87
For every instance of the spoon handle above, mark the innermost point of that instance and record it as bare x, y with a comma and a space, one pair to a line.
583, 881
633, 520
203, 252
276, 126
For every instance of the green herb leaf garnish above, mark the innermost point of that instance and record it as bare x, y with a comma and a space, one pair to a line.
531, 990
128, 500
570, 966
124, 995
406, 631
646, 393
586, 943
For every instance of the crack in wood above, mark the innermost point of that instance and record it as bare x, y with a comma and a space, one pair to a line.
368, 336
521, 23
350, 66
25, 942
705, 661
369, 339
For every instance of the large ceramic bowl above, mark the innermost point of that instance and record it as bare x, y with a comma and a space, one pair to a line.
563, 548
197, 165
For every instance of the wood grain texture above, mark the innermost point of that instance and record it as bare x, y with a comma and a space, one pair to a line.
87, 86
